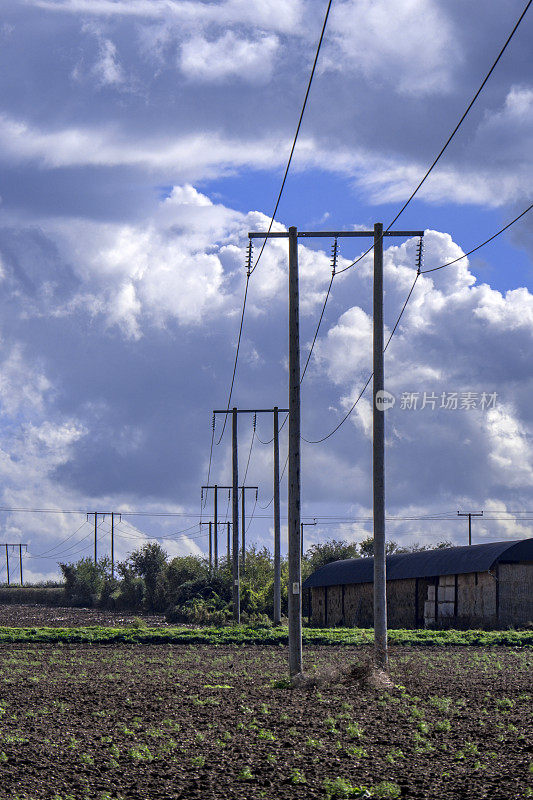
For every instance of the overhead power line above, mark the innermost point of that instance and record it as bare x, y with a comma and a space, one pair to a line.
251, 269
479, 246
45, 552
297, 132
419, 272
450, 137
465, 114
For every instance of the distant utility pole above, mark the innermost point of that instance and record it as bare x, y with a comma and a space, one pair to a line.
210, 524
113, 514
243, 522
380, 587
20, 546
234, 490
277, 522
95, 514
469, 514
302, 525
103, 515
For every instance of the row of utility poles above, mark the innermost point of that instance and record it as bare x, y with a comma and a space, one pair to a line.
295, 527
214, 526
234, 490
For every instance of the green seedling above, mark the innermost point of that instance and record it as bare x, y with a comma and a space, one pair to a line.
297, 776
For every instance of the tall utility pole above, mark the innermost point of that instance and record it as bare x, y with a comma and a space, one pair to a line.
277, 523
378, 418
295, 565
20, 546
215, 525
469, 514
235, 473
380, 609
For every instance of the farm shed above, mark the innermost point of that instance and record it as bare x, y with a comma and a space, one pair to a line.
489, 585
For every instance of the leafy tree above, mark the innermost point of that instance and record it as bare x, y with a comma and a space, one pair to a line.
84, 580
326, 552
149, 563
366, 547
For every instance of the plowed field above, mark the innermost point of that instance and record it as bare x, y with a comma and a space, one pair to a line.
197, 722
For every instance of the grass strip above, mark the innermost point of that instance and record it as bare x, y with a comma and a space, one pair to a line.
262, 636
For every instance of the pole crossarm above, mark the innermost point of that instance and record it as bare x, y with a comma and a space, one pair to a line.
218, 486
13, 544
328, 235
252, 411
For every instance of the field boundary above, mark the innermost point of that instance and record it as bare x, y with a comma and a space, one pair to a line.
261, 636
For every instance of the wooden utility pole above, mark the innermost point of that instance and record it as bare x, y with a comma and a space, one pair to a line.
378, 416
470, 514
216, 487
95, 513
243, 523
295, 581
277, 524
210, 534
113, 541
215, 523
20, 546
235, 472
302, 525
295, 641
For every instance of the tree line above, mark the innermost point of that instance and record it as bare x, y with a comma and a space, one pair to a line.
186, 589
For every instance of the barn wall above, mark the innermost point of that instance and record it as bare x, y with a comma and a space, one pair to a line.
357, 603
480, 599
515, 593
318, 606
401, 608
477, 598
334, 606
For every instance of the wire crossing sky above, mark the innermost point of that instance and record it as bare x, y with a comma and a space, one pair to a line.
140, 144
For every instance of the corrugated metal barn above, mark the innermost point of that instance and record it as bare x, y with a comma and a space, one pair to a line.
488, 585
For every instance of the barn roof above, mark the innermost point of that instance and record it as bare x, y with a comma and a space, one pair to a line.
424, 564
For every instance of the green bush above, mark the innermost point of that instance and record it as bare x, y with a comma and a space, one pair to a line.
198, 611
84, 581
149, 563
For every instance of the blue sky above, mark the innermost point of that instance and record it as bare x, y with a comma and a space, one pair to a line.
140, 141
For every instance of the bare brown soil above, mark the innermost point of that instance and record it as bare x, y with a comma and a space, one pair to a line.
204, 722
34, 616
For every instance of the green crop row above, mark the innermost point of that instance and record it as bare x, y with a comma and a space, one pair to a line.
266, 636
